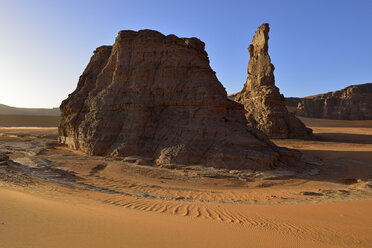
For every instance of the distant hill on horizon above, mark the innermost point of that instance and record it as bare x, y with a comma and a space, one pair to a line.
8, 110
294, 100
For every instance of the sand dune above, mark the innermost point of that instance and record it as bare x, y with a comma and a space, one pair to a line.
35, 222
32, 221
54, 197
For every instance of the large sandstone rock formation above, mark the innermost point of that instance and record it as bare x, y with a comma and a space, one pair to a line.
264, 105
156, 96
352, 103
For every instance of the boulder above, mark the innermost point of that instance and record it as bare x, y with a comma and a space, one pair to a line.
264, 105
155, 96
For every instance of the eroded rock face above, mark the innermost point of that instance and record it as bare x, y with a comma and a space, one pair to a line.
3, 156
352, 103
264, 105
156, 97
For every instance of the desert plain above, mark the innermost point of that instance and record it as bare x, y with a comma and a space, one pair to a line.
52, 196
174, 124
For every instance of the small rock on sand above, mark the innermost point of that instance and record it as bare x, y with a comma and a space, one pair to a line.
311, 193
347, 181
275, 174
311, 159
138, 160
314, 172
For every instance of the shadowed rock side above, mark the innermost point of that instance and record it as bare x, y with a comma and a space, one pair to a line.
352, 103
156, 96
292, 101
264, 105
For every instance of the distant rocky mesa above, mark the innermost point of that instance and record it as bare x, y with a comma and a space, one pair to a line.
8, 110
352, 103
264, 105
156, 96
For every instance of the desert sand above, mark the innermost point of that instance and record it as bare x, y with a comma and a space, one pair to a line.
51, 196
28, 121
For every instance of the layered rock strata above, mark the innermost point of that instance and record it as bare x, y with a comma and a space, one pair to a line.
264, 105
352, 103
156, 97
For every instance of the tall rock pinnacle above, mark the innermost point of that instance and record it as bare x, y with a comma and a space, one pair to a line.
263, 103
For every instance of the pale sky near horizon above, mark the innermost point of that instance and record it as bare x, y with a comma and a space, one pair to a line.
316, 46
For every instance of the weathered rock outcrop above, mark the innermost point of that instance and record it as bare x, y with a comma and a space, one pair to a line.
292, 101
264, 105
156, 97
3, 157
352, 103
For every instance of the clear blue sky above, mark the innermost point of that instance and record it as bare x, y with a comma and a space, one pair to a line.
315, 46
